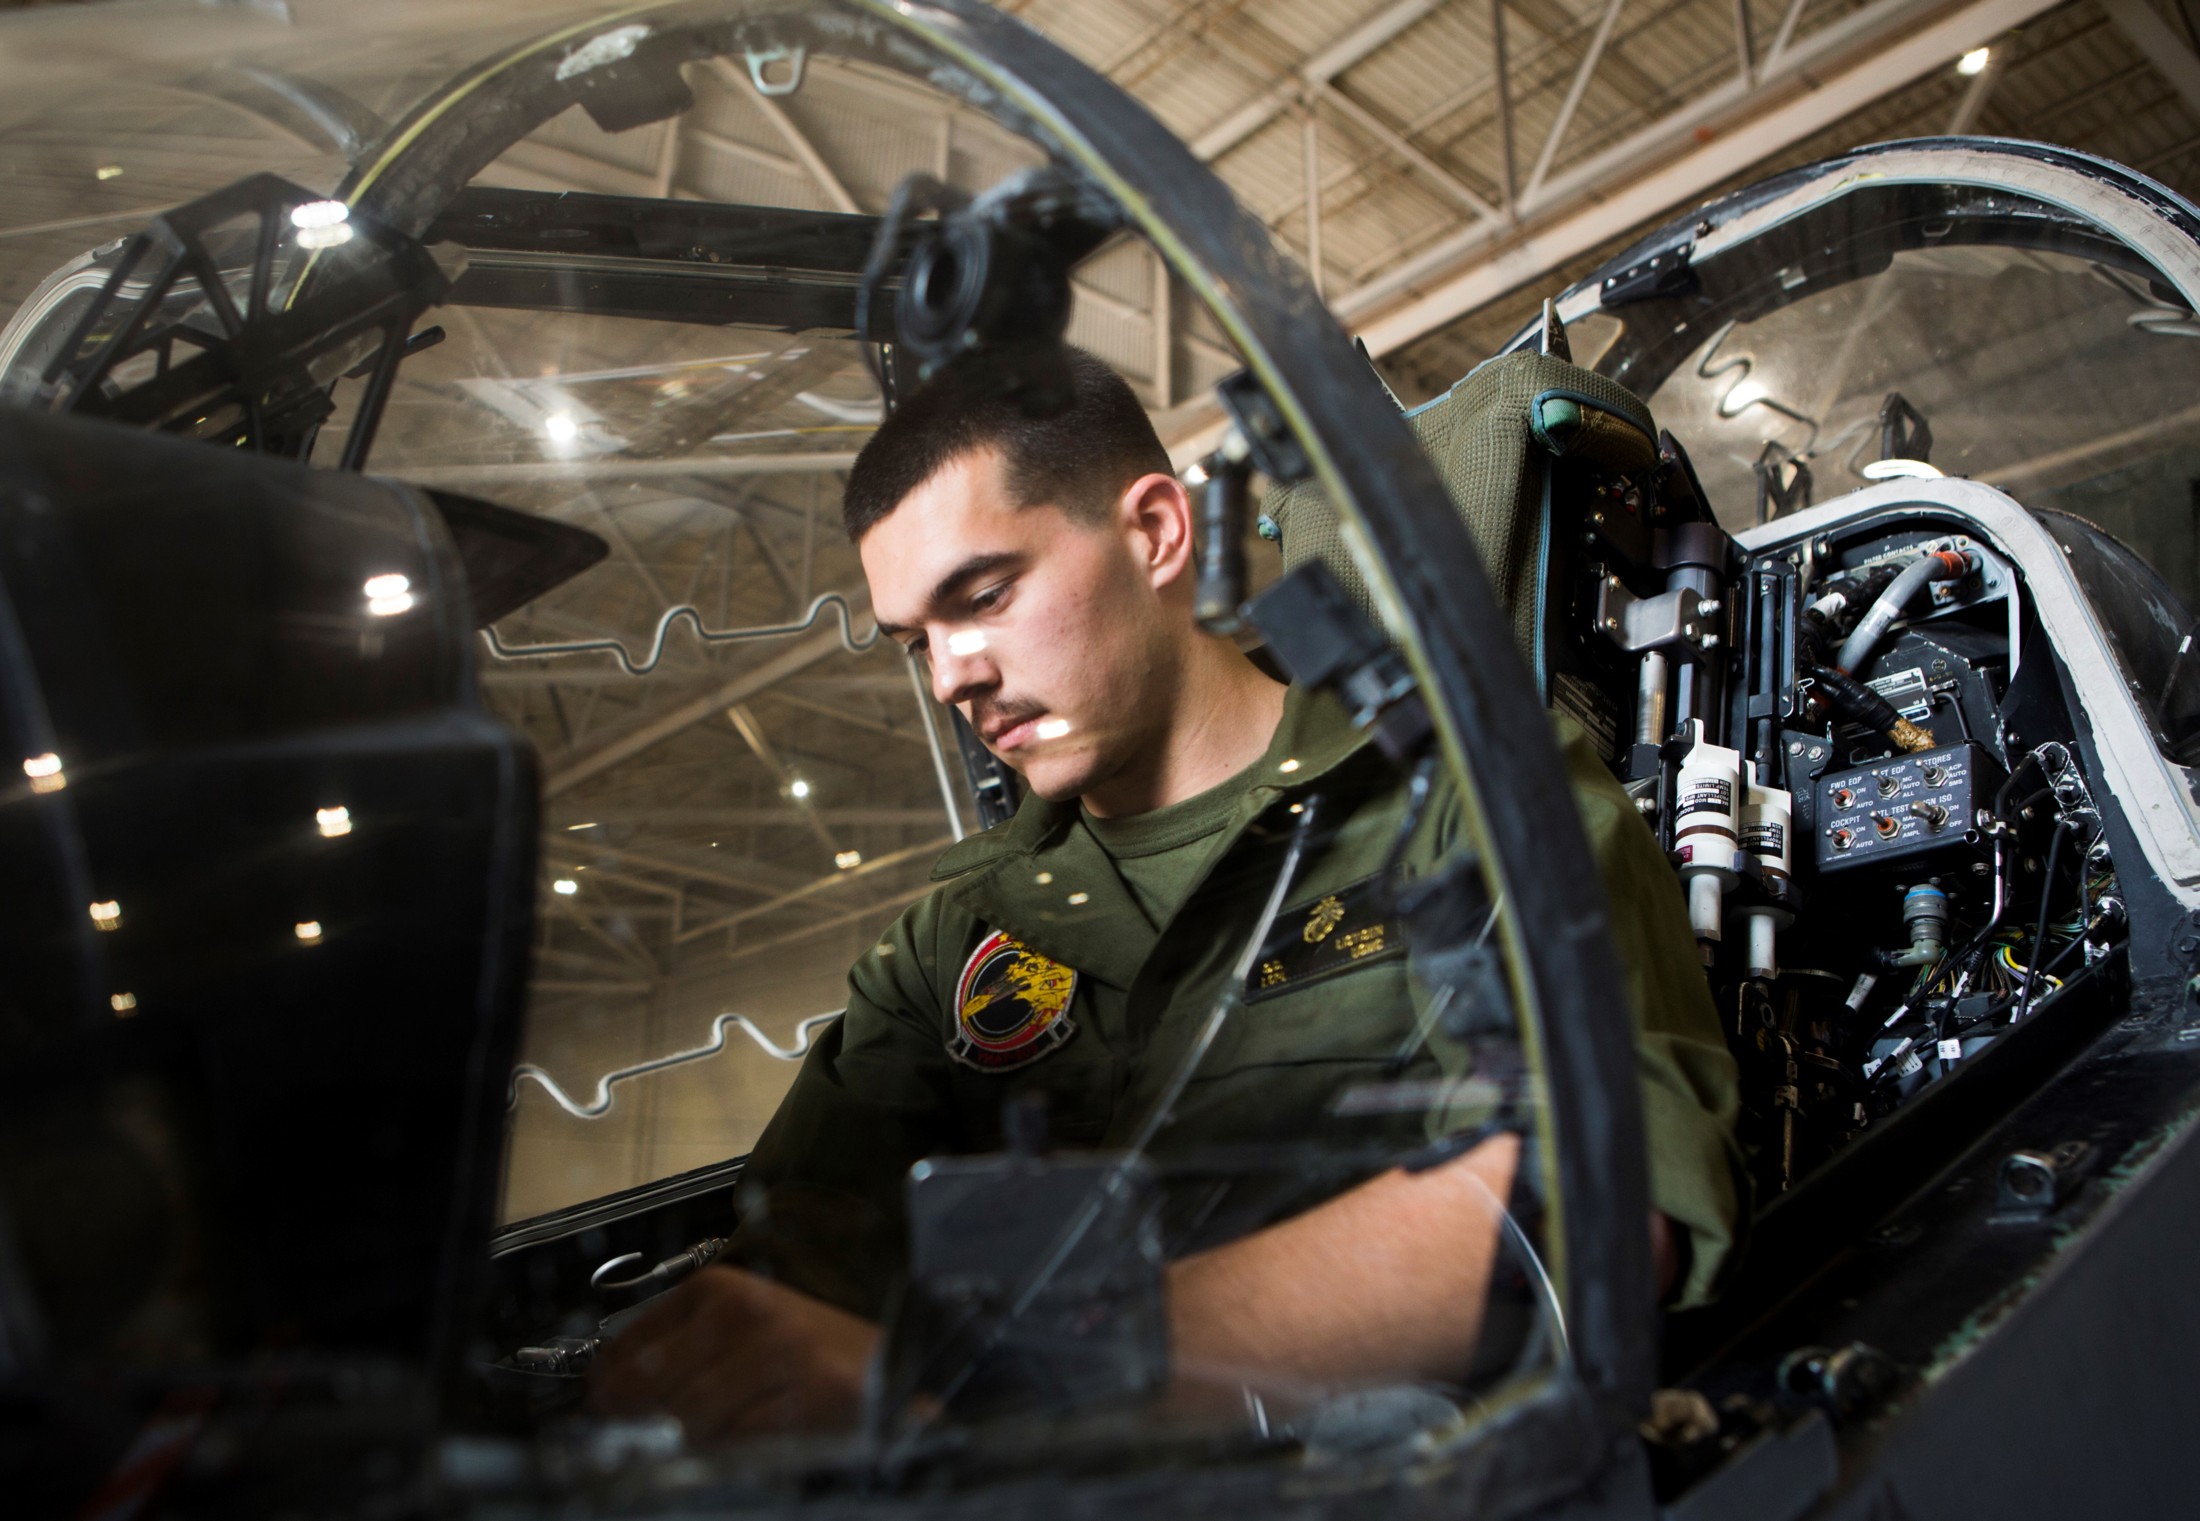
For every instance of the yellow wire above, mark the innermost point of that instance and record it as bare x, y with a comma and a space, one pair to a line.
2010, 962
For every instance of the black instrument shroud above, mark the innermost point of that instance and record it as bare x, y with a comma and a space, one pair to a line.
273, 1037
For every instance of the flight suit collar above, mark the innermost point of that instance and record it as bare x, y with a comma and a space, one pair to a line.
1051, 886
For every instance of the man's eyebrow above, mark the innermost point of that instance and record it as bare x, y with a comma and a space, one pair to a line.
952, 584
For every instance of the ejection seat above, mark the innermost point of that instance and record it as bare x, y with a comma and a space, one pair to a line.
1594, 535
1579, 508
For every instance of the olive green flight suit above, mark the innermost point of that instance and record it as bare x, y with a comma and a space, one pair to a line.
969, 997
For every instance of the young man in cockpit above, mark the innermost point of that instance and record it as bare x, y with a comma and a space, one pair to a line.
1043, 570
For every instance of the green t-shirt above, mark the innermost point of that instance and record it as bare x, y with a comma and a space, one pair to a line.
1161, 855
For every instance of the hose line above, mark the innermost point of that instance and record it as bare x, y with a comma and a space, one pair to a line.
1940, 565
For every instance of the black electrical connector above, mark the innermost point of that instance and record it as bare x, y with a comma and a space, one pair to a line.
1858, 702
670, 1271
1259, 440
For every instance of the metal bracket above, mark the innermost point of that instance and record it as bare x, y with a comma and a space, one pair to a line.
793, 57
1783, 482
1275, 452
2032, 1185
1674, 618
1321, 637
1903, 431
1552, 340
252, 368
1664, 273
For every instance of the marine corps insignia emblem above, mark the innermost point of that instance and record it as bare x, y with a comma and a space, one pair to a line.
1348, 928
1011, 1006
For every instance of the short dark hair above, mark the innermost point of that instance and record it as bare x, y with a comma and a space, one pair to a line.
1078, 456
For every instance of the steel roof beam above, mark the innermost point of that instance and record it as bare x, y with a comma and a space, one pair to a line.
1558, 29
1309, 93
1580, 86
795, 138
631, 952
1316, 71
1428, 168
651, 731
568, 168
891, 902
668, 159
927, 850
1791, 102
737, 873
752, 733
619, 467
1819, 81
2171, 56
708, 816
841, 714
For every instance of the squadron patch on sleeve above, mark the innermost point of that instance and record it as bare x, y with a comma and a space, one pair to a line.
1011, 1006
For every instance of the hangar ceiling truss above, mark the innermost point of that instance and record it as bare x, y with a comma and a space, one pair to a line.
1425, 157
1429, 156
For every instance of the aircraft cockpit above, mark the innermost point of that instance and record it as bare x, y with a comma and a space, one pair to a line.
460, 765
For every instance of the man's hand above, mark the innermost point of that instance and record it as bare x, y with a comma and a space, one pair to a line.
731, 1354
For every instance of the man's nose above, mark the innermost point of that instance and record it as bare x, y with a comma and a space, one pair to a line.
962, 666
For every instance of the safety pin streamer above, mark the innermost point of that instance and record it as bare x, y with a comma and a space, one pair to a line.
600, 1106
687, 610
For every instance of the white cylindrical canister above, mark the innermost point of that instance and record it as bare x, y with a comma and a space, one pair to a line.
1767, 834
1707, 803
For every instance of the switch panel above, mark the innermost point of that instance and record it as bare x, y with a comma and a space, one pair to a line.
1904, 806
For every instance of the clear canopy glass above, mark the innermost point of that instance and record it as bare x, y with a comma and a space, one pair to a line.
728, 822
2045, 342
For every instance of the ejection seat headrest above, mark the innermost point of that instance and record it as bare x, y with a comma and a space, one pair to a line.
1489, 437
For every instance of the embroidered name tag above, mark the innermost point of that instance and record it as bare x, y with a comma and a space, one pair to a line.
1011, 1006
1334, 933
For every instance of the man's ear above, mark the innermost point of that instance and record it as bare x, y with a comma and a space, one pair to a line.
1156, 513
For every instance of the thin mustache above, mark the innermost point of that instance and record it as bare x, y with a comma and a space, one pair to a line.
995, 717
